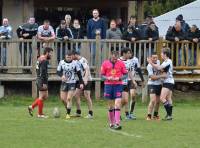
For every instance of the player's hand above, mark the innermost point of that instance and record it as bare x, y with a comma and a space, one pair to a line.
81, 86
116, 79
143, 84
44, 86
25, 34
109, 78
85, 82
64, 78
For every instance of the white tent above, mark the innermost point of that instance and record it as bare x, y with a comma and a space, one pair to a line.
190, 12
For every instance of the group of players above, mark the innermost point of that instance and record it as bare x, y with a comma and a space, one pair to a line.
75, 75
118, 74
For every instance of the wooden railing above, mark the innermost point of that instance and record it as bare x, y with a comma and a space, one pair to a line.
20, 56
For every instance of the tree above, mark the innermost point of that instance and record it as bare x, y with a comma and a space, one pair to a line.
159, 7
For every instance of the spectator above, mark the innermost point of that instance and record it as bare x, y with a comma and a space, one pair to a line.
63, 34
193, 36
68, 19
120, 25
113, 33
5, 34
151, 34
46, 33
132, 31
176, 34
27, 31
95, 25
185, 27
77, 33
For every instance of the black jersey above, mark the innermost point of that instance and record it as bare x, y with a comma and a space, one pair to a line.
42, 69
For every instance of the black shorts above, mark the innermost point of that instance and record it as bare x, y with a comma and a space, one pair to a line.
40, 83
86, 87
131, 85
67, 86
125, 88
170, 86
155, 89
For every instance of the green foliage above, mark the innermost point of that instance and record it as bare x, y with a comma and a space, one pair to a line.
159, 7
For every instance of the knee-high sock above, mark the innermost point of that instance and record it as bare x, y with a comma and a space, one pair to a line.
40, 107
35, 103
111, 116
117, 116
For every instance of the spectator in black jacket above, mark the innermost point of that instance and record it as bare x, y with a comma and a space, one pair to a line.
151, 34
193, 36
27, 31
77, 32
176, 34
63, 34
185, 27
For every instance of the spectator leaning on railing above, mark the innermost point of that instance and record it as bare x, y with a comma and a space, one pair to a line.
113, 33
77, 32
63, 34
5, 34
193, 36
151, 34
27, 31
176, 34
46, 33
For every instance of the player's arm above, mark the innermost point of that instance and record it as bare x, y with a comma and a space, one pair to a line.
59, 69
86, 73
78, 72
138, 69
156, 77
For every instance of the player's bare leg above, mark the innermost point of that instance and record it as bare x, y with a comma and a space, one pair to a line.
132, 103
151, 106
78, 102
124, 103
87, 95
63, 97
70, 95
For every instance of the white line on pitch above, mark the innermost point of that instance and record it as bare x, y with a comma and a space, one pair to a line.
125, 133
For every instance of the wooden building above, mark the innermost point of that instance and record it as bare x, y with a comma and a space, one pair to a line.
17, 11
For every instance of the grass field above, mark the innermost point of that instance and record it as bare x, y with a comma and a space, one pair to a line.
19, 130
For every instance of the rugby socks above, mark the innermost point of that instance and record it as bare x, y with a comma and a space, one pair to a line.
167, 107
78, 111
68, 111
127, 113
40, 107
170, 110
117, 116
155, 114
111, 116
90, 112
35, 103
132, 106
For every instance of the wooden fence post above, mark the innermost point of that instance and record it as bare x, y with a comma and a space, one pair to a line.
98, 65
159, 48
34, 60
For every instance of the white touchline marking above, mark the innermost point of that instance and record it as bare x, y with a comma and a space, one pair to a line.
125, 133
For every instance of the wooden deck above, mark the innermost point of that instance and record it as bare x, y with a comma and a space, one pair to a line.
21, 57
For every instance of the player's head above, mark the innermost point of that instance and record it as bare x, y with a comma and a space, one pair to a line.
126, 52
95, 13
76, 55
69, 56
48, 51
165, 53
114, 56
154, 57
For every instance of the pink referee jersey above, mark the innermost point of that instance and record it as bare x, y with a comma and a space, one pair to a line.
116, 70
